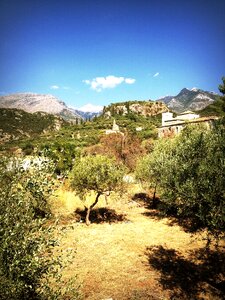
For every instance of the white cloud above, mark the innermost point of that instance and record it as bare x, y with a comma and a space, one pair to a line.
130, 80
108, 82
57, 87
54, 87
91, 108
156, 74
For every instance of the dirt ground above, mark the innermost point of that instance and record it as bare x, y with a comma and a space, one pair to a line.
129, 252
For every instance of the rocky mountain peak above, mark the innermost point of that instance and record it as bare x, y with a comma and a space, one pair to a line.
189, 99
31, 102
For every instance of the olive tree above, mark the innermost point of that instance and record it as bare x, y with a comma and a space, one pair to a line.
222, 90
190, 171
95, 173
28, 270
147, 169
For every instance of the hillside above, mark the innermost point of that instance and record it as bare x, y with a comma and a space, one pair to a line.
216, 108
31, 103
142, 108
194, 99
16, 124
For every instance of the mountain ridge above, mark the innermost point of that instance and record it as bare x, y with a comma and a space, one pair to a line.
189, 99
32, 103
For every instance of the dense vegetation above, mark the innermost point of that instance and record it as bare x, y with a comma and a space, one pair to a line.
189, 171
28, 269
70, 140
217, 108
17, 122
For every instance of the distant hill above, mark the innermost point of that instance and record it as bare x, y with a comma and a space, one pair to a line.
16, 123
194, 99
143, 108
88, 115
31, 103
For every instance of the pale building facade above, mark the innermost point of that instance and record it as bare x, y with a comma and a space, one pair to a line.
172, 126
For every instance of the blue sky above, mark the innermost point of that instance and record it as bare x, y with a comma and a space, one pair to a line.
98, 52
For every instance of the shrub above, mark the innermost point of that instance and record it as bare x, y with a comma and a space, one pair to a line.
190, 171
28, 269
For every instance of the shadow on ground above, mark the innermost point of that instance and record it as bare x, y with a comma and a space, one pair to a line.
202, 274
146, 200
157, 210
101, 215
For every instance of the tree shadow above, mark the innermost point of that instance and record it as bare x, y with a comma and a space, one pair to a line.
202, 274
101, 215
189, 224
156, 209
147, 201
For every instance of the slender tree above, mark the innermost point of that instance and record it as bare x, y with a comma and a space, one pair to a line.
95, 173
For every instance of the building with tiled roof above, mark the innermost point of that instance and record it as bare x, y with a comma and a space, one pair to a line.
172, 126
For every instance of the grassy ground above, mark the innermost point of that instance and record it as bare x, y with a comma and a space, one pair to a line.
129, 252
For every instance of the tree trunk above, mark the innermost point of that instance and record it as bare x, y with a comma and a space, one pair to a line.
88, 210
154, 204
87, 221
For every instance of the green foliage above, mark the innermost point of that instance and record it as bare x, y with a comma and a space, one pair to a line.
62, 154
218, 107
190, 172
127, 104
95, 173
20, 123
215, 109
98, 173
222, 86
28, 148
27, 267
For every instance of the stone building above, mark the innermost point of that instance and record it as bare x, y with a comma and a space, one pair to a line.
172, 126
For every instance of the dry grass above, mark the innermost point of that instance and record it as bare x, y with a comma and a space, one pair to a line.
131, 255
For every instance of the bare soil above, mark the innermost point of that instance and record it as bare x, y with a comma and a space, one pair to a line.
130, 252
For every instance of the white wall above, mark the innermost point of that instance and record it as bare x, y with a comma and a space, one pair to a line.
166, 116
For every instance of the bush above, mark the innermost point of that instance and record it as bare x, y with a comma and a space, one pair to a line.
190, 171
27, 267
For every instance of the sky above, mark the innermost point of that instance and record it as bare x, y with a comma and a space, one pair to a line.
99, 52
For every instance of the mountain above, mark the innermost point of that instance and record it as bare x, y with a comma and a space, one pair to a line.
87, 115
194, 99
89, 111
32, 103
